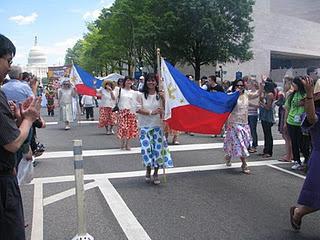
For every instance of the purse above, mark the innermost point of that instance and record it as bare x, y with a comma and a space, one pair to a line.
116, 107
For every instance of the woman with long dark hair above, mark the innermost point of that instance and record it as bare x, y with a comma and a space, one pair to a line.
294, 111
154, 147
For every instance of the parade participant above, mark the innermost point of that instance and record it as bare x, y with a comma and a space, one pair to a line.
154, 147
88, 103
237, 139
266, 114
50, 95
127, 121
11, 138
294, 111
287, 90
253, 90
107, 118
309, 199
65, 95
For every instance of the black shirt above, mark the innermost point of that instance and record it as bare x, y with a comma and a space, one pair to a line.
216, 88
8, 133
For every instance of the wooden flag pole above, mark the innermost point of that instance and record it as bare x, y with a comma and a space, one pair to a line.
162, 106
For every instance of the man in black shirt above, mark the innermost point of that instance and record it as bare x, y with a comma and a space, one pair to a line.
213, 86
11, 139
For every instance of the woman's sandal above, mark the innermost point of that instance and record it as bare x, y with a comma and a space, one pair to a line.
148, 176
156, 180
245, 169
295, 225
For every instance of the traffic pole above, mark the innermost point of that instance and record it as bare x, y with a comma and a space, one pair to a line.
78, 171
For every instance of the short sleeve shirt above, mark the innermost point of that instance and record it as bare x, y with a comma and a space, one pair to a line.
9, 132
294, 109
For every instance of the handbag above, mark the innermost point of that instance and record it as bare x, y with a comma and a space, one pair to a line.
116, 107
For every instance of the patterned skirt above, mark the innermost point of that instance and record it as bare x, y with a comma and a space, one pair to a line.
127, 125
106, 117
154, 148
237, 140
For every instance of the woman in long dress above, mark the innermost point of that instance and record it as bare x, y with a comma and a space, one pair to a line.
154, 147
309, 199
65, 95
238, 137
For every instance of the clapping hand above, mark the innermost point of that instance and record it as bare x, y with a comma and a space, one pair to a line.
30, 108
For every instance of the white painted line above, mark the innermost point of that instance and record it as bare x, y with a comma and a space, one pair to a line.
114, 152
286, 171
37, 219
81, 122
141, 173
68, 193
128, 222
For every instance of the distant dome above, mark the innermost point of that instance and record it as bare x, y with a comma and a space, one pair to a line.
37, 56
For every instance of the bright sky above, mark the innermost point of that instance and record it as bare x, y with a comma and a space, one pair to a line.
57, 23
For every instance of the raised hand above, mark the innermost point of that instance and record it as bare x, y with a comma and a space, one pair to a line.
308, 85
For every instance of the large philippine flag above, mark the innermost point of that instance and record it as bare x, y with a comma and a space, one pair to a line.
85, 83
189, 108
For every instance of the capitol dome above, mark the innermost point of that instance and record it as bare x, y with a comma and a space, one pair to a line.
37, 61
37, 56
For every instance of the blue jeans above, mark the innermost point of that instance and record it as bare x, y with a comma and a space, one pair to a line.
253, 121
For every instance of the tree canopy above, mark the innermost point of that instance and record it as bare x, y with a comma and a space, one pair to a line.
195, 32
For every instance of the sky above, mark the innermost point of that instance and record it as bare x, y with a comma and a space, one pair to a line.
58, 24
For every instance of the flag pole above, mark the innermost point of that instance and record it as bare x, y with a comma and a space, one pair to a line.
162, 106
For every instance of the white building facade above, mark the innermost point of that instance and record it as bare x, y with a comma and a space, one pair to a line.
286, 39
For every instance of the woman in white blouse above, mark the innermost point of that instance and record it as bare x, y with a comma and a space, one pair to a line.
154, 147
107, 118
127, 120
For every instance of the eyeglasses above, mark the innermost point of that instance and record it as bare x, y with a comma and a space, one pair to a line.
240, 85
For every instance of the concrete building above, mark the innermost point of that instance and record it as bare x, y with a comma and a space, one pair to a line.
286, 40
37, 61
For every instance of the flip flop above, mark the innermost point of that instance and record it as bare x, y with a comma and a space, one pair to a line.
296, 226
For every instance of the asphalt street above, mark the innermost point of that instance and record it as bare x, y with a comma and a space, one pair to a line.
200, 199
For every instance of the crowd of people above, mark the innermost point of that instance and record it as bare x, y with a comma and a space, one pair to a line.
137, 109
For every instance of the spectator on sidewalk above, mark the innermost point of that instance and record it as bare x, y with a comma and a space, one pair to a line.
11, 139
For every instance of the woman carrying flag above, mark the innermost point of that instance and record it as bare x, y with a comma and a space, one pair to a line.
154, 147
238, 137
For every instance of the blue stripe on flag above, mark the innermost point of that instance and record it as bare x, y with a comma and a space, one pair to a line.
217, 102
87, 78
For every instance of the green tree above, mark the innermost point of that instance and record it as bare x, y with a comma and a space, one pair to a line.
73, 54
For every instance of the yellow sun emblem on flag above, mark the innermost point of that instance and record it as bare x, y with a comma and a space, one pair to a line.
171, 89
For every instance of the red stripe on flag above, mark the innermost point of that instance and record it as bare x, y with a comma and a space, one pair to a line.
190, 118
84, 90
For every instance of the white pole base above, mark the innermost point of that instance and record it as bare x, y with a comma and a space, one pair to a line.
87, 236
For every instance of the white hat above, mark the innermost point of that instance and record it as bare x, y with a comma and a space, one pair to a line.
141, 77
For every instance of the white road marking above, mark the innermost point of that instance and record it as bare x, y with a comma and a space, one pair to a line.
68, 193
128, 222
287, 171
37, 219
114, 152
56, 123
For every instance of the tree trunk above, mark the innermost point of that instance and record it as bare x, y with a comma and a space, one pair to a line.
197, 71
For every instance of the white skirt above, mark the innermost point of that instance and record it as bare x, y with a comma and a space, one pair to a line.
66, 113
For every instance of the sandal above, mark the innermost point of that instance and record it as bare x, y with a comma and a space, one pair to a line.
295, 225
245, 169
266, 155
252, 150
156, 180
228, 162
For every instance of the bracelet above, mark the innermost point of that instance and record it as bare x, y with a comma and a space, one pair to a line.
309, 97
